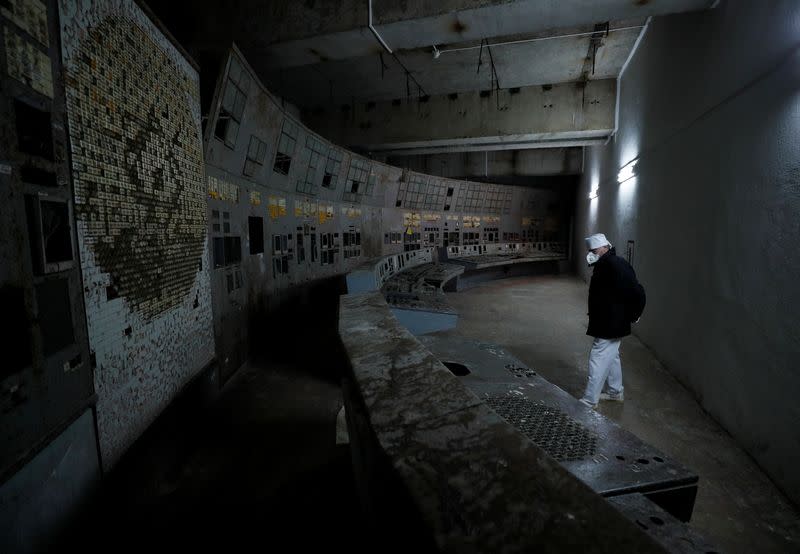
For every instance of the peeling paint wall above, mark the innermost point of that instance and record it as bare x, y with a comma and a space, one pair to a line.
134, 121
710, 108
266, 169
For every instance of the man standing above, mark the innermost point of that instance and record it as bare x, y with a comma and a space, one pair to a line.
616, 299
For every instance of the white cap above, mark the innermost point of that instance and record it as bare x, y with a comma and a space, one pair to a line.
596, 241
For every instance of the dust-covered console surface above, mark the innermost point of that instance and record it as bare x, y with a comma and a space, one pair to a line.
610, 460
417, 298
644, 483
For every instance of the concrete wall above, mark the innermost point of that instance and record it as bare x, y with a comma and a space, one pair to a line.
710, 108
498, 163
295, 204
562, 112
134, 121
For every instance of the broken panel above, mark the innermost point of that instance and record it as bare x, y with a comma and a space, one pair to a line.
15, 341
332, 169
286, 146
256, 234
234, 99
227, 251
301, 246
50, 233
281, 254
37, 176
256, 151
54, 314
34, 130
219, 252
233, 250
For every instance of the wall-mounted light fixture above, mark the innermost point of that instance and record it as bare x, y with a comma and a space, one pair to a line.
593, 194
627, 171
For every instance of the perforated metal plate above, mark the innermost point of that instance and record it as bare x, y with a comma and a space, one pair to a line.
554, 431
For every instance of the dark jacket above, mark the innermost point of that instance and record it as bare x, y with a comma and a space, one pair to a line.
616, 299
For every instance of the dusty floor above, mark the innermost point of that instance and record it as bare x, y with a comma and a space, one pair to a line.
260, 468
542, 321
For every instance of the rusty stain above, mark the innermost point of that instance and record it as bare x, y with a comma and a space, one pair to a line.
458, 27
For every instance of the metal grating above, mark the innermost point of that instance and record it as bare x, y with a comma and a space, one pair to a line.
558, 434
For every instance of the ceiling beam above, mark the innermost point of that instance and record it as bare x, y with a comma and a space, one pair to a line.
516, 163
328, 30
568, 114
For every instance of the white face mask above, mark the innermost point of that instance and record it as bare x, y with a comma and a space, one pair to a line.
591, 257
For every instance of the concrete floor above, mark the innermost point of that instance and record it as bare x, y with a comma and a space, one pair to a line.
542, 321
257, 469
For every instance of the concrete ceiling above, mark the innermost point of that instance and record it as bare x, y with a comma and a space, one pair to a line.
321, 56
323, 52
545, 59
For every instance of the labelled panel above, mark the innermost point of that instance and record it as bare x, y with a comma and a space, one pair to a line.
234, 99
286, 147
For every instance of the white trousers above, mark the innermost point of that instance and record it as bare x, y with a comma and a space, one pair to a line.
604, 365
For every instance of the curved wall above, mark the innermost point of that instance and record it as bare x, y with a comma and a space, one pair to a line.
321, 211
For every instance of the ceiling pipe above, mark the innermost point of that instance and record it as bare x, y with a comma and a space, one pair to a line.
439, 51
375, 31
379, 38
